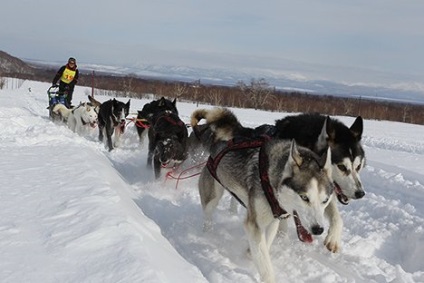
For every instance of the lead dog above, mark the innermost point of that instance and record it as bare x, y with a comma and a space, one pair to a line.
316, 132
275, 179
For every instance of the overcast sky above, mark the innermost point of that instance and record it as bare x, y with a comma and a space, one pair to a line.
381, 35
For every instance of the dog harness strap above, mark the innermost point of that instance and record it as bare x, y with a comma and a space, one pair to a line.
277, 211
139, 123
168, 118
83, 122
212, 165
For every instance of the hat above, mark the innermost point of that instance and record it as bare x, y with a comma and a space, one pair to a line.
72, 60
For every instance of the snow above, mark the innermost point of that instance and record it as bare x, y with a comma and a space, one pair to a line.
71, 211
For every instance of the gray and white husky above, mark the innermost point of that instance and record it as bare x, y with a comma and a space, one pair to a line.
273, 179
316, 132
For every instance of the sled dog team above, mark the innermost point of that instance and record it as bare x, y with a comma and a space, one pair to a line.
301, 166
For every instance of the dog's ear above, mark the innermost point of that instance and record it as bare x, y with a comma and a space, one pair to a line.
357, 128
94, 101
322, 140
325, 161
174, 102
162, 101
294, 154
128, 103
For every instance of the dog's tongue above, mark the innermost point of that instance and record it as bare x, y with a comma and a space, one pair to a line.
122, 127
343, 199
302, 233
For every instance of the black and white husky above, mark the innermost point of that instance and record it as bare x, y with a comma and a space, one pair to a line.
273, 179
150, 109
317, 132
112, 120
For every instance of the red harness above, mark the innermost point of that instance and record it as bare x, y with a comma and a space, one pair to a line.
168, 118
213, 163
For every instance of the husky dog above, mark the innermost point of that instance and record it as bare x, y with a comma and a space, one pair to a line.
317, 132
167, 141
81, 117
223, 121
78, 118
149, 110
274, 179
112, 119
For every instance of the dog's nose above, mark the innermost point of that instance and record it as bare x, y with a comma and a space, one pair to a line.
317, 230
359, 194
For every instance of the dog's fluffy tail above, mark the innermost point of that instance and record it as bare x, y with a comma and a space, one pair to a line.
62, 110
222, 122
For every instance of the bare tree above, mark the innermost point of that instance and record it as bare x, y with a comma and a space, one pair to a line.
2, 82
348, 106
405, 113
180, 89
257, 92
215, 96
127, 86
196, 88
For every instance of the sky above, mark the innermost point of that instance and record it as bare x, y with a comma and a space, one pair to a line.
71, 211
362, 41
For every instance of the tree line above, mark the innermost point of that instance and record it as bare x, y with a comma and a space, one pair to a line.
255, 94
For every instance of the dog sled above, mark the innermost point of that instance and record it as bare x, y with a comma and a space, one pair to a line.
55, 97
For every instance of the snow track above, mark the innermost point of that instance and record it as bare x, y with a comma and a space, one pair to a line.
383, 235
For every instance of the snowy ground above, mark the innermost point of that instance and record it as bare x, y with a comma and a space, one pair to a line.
73, 212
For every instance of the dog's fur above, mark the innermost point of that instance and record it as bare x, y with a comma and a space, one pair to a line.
150, 109
317, 132
300, 179
167, 141
59, 113
78, 118
112, 120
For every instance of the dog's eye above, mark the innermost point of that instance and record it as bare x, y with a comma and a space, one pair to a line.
304, 198
326, 200
358, 168
342, 167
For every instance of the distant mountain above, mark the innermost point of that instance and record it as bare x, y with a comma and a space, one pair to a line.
13, 65
279, 80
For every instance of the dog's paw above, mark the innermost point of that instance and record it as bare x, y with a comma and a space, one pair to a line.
332, 243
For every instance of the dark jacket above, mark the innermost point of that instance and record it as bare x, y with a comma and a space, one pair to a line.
60, 73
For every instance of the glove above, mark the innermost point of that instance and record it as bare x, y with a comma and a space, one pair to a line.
55, 85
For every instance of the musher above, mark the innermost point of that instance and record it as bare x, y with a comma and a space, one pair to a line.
68, 75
